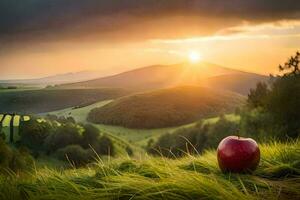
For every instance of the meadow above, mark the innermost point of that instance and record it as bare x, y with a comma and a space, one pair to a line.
136, 136
191, 177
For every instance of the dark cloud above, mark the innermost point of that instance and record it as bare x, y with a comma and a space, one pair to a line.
43, 19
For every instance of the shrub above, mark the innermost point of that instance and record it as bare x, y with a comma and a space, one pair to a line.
75, 154
220, 130
66, 134
89, 136
104, 146
33, 134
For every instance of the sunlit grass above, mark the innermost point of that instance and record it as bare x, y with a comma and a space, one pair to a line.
191, 177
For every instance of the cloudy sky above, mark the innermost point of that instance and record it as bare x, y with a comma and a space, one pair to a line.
46, 37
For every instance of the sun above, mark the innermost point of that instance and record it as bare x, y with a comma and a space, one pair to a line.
194, 56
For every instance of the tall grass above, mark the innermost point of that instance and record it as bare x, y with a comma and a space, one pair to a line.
191, 177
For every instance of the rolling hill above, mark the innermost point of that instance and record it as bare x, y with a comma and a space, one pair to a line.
163, 76
165, 107
238, 82
45, 100
55, 79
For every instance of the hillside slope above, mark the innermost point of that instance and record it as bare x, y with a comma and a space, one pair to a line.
37, 101
162, 76
239, 82
165, 107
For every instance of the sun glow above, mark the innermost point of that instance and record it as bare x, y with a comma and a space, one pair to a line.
194, 56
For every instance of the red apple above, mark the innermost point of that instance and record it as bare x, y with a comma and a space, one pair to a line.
238, 154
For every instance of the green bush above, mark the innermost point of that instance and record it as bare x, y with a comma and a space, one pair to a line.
220, 130
48, 136
104, 146
74, 154
64, 135
89, 136
33, 134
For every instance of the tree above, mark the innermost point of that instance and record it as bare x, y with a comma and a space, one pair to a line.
277, 110
291, 67
257, 97
284, 104
284, 99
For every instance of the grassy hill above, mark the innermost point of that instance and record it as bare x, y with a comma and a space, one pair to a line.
162, 76
166, 107
192, 177
45, 100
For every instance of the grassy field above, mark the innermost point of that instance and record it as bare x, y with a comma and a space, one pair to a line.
79, 114
142, 136
137, 136
47, 100
192, 177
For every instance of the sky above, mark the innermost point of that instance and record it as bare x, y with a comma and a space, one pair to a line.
42, 38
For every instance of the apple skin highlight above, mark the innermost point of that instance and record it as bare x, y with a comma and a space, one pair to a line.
238, 154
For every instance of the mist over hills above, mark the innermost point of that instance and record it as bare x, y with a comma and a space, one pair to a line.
56, 79
163, 76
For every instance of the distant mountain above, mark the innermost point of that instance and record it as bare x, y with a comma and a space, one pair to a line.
166, 107
56, 79
239, 82
163, 76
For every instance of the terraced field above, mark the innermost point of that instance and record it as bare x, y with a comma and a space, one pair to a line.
9, 126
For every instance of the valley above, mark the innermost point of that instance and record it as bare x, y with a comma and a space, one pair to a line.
119, 129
